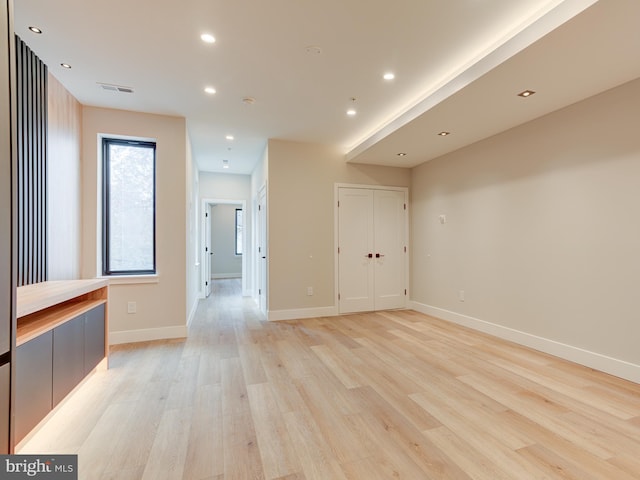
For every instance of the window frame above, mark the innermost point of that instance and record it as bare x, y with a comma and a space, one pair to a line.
106, 142
239, 254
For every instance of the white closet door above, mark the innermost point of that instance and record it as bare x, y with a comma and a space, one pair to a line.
389, 255
371, 260
355, 221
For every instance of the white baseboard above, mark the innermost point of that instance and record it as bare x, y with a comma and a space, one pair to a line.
147, 334
597, 361
293, 314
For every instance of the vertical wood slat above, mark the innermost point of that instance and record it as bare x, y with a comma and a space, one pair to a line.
32, 165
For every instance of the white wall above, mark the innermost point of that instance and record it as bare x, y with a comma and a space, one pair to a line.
542, 233
225, 186
224, 261
301, 222
192, 233
162, 306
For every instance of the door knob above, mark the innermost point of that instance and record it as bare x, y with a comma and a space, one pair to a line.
378, 255
370, 255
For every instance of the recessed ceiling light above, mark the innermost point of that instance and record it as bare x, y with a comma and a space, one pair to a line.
526, 93
388, 76
210, 90
229, 137
35, 30
351, 112
444, 134
208, 38
402, 154
65, 65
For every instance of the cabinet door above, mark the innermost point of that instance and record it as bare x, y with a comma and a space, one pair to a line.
68, 357
4, 408
93, 338
6, 199
33, 383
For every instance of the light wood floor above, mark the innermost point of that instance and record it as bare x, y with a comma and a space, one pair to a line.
373, 396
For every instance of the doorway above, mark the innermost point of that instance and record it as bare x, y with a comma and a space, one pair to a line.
224, 242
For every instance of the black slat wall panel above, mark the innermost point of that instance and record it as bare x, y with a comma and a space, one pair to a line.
31, 92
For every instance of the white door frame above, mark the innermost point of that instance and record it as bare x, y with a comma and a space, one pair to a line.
336, 237
204, 257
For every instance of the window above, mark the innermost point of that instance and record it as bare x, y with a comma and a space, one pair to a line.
238, 231
129, 200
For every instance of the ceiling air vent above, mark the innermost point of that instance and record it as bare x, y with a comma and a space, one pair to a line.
115, 88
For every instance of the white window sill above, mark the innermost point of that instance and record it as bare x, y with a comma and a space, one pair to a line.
131, 279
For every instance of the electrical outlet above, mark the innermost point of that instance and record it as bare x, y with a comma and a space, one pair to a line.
461, 295
310, 291
131, 307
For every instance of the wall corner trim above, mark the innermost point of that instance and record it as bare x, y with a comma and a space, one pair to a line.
299, 313
597, 361
147, 334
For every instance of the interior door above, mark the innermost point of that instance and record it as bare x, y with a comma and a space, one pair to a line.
372, 249
356, 250
389, 233
262, 251
208, 254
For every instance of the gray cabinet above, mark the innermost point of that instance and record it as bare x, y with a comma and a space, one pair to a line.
7, 233
5, 383
52, 364
68, 357
94, 342
33, 384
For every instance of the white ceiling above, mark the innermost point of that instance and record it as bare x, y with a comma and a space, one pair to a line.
458, 64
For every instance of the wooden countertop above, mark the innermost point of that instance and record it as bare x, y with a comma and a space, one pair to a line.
39, 296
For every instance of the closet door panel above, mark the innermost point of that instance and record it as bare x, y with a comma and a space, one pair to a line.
389, 237
355, 233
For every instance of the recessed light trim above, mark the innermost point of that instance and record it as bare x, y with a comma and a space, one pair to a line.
65, 65
526, 93
207, 38
402, 154
351, 112
35, 29
229, 137
444, 134
389, 76
209, 90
